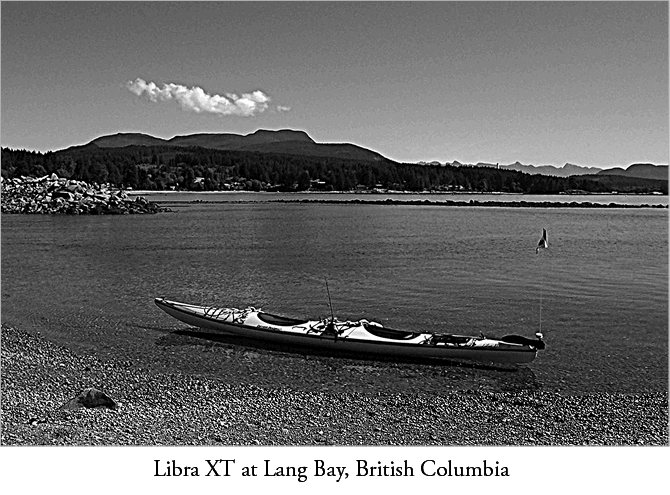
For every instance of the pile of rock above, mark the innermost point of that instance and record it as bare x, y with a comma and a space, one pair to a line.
51, 194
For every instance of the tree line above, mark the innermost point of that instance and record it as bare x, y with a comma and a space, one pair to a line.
202, 169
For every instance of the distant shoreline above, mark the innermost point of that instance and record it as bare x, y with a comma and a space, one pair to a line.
142, 192
371, 198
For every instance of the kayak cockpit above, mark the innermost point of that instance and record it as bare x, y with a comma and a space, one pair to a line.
280, 320
388, 333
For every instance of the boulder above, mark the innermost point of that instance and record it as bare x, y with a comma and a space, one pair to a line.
90, 397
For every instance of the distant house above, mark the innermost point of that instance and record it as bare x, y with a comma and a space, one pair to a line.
317, 184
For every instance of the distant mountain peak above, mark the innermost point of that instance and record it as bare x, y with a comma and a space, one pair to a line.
640, 170
121, 139
282, 135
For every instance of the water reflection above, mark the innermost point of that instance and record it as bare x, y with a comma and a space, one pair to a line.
247, 360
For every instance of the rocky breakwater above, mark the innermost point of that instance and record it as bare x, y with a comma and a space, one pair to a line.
51, 194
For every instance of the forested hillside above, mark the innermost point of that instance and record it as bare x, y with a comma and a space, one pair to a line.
195, 168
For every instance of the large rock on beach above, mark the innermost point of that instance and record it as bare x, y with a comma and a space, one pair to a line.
51, 194
91, 397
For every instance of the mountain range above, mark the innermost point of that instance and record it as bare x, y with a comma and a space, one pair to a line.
638, 170
295, 142
285, 141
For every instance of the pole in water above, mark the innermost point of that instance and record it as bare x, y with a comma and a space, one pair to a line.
542, 244
540, 309
538, 334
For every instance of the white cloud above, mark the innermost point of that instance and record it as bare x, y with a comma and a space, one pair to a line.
197, 100
281, 108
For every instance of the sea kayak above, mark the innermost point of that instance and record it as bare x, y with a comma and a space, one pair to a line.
353, 337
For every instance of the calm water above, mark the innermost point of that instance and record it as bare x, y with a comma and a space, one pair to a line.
601, 288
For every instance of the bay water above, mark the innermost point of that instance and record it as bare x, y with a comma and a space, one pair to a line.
599, 294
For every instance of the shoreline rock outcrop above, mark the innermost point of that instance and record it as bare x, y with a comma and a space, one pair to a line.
53, 195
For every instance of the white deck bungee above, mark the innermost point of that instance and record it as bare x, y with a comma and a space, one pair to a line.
359, 336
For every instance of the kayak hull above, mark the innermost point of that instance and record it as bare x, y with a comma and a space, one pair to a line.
351, 337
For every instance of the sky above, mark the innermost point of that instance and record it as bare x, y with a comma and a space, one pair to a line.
543, 83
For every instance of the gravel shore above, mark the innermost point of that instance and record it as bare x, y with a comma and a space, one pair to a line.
177, 409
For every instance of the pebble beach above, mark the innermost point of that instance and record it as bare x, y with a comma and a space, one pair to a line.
38, 378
